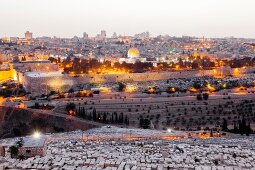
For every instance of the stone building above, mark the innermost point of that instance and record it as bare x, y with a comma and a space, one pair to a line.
33, 147
2, 151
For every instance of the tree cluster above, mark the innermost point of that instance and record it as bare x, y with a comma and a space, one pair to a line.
14, 150
103, 117
242, 127
144, 123
70, 108
203, 96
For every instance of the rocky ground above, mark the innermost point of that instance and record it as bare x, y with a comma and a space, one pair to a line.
182, 113
74, 151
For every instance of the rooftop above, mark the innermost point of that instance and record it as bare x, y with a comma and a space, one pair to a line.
34, 142
44, 74
37, 61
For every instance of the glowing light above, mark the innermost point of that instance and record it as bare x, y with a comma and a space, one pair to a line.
169, 130
242, 88
177, 67
211, 88
21, 105
171, 90
104, 70
37, 134
72, 113
83, 93
236, 72
151, 90
130, 89
105, 90
193, 90
15, 78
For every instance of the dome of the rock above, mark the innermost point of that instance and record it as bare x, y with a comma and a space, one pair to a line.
133, 53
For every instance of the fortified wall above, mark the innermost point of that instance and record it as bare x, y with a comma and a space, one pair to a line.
42, 84
150, 76
8, 74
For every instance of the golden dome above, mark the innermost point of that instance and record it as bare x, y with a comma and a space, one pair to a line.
133, 53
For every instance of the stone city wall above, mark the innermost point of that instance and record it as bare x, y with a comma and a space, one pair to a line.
152, 76
63, 83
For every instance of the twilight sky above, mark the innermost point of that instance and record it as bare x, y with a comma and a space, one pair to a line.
67, 18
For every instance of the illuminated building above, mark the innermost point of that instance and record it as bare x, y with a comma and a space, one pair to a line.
221, 71
27, 40
7, 73
131, 88
133, 56
44, 82
28, 36
34, 57
133, 53
102, 89
43, 65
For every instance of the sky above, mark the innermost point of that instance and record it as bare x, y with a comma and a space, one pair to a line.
68, 18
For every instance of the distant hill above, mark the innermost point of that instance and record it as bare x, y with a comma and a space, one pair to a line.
19, 122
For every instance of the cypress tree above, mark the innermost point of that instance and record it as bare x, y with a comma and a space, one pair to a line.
243, 125
79, 111
225, 125
126, 120
121, 119
94, 114
248, 129
235, 127
104, 118
240, 127
141, 121
115, 117
112, 119
98, 117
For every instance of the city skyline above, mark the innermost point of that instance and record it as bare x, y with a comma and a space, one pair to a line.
127, 85
218, 18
